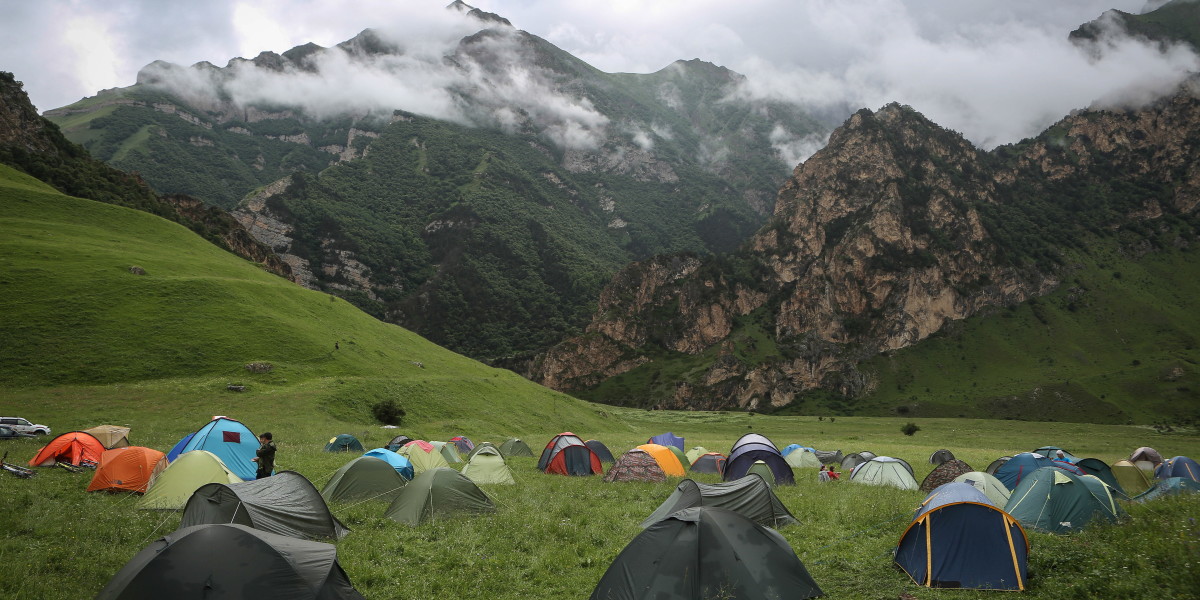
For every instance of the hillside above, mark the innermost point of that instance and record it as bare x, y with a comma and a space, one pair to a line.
193, 316
1177, 21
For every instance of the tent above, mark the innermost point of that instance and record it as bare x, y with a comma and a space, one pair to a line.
829, 457
986, 483
422, 456
635, 465
996, 464
343, 442
750, 496
172, 488
667, 439
1132, 479
943, 474
602, 451
73, 447
754, 447
112, 436
448, 451
1180, 466
1146, 458
1168, 487
127, 469
566, 454
398, 442
940, 457
284, 504
230, 441
1098, 468
680, 456
959, 539
884, 470
488, 466
515, 447
803, 459
365, 477
761, 469
398, 462
463, 444
794, 447
707, 552
1021, 465
667, 460
712, 462
1051, 452
1058, 501
695, 452
854, 459
231, 561
178, 447
436, 493
481, 446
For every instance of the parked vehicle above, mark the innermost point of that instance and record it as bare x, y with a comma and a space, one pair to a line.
8, 433
24, 426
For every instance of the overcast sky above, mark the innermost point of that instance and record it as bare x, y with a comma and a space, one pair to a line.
995, 70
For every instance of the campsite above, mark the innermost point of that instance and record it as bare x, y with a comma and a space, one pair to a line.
555, 536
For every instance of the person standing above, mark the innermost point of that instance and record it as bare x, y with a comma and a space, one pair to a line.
265, 455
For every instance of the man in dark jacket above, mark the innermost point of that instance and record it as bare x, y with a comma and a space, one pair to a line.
265, 456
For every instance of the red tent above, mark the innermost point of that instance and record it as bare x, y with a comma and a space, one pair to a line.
566, 454
127, 469
73, 447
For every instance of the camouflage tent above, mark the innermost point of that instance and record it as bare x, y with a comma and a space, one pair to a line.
635, 465
944, 473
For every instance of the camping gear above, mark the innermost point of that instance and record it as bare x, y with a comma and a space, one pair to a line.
1132, 479
755, 447
172, 488
127, 469
635, 465
679, 455
463, 444
231, 561
566, 454
1099, 469
959, 539
602, 451
1180, 466
112, 436
712, 462
1146, 458
177, 449
365, 477
448, 451
1057, 501
1018, 467
792, 448
884, 470
694, 453
750, 496
1168, 487
231, 441
830, 457
803, 458
940, 456
944, 473
398, 442
398, 462
488, 466
515, 447
479, 447
284, 504
761, 469
988, 484
667, 460
72, 448
667, 439
854, 459
707, 552
436, 493
344, 442
423, 456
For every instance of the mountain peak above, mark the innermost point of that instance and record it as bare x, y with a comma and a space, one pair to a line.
471, 11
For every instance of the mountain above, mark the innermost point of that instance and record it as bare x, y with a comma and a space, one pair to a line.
489, 219
893, 232
1177, 21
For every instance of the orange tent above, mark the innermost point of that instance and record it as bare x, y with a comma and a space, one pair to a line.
73, 447
127, 469
666, 459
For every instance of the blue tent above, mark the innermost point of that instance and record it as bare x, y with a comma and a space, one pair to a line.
1020, 466
177, 449
398, 462
959, 539
753, 447
1168, 487
231, 441
1180, 466
667, 439
793, 447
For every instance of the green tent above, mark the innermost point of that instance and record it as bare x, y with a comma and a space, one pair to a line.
423, 456
487, 466
1132, 479
436, 493
448, 451
515, 447
172, 488
988, 484
707, 552
285, 504
802, 459
885, 470
683, 459
749, 496
343, 443
763, 470
363, 478
696, 452
481, 446
1053, 500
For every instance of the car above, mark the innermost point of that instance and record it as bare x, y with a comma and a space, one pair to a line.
24, 426
8, 433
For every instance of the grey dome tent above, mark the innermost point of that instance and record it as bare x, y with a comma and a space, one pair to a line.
854, 459
438, 492
706, 552
284, 504
344, 443
515, 447
365, 477
750, 496
602, 451
940, 457
398, 442
996, 464
231, 562
829, 457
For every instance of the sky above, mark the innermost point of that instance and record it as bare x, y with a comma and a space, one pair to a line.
996, 71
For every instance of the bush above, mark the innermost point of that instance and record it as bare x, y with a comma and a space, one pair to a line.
910, 428
388, 412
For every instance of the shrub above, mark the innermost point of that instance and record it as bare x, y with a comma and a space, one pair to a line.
388, 412
910, 428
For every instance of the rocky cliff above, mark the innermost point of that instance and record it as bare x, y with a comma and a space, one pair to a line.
895, 229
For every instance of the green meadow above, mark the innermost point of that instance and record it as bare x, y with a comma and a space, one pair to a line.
87, 342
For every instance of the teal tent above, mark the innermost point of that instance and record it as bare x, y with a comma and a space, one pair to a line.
344, 443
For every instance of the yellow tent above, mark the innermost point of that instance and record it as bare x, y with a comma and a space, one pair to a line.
111, 436
666, 459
